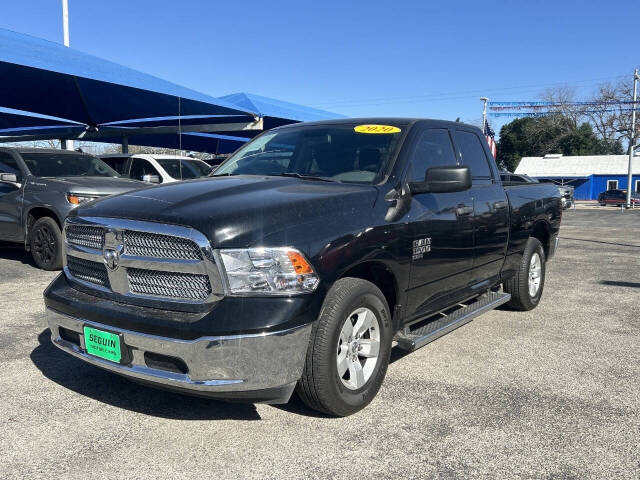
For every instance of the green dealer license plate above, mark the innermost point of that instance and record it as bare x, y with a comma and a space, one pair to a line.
102, 344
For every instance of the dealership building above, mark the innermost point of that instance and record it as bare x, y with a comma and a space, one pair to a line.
588, 174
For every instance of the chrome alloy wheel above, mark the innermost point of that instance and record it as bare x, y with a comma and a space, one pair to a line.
358, 348
535, 274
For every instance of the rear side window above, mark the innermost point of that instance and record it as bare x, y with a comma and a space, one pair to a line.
433, 149
8, 164
473, 156
117, 163
140, 168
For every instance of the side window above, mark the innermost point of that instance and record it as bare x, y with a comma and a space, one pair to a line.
433, 149
117, 163
473, 156
140, 168
8, 164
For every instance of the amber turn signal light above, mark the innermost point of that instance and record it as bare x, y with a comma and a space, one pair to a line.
300, 265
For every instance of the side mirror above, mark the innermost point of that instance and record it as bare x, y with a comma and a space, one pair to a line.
151, 178
11, 178
442, 180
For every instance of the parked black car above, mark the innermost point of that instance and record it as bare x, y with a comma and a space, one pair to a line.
616, 197
38, 189
311, 249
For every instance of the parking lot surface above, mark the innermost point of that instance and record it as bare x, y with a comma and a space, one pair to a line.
551, 393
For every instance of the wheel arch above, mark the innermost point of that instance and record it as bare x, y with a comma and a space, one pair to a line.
381, 276
33, 215
542, 231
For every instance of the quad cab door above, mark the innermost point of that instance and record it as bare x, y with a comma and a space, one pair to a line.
10, 199
490, 208
441, 226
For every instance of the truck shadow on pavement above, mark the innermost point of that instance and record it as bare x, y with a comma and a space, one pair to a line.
618, 283
600, 241
16, 252
117, 391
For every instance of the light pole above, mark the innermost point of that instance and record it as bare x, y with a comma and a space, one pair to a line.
484, 115
65, 22
632, 137
65, 144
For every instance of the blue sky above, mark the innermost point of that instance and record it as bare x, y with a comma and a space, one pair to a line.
359, 58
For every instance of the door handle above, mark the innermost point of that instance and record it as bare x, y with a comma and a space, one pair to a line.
500, 204
463, 210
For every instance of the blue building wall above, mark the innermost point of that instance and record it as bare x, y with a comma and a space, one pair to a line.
589, 188
599, 183
582, 188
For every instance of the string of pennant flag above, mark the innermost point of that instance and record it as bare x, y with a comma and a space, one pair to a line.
543, 114
520, 105
538, 110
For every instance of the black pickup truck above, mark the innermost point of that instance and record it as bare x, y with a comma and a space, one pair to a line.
311, 250
39, 187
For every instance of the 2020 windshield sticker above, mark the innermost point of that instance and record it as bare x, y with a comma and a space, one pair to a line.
376, 129
420, 247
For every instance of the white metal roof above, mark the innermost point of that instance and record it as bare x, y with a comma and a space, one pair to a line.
577, 166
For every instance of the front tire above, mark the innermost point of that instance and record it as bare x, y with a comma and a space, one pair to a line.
349, 349
45, 240
527, 284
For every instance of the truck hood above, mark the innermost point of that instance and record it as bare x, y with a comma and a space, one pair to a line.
95, 185
241, 211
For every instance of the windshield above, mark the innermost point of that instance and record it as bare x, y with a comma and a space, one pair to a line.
67, 165
343, 153
190, 168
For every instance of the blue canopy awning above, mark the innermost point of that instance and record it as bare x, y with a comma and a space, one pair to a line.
277, 112
51, 91
197, 142
13, 119
48, 78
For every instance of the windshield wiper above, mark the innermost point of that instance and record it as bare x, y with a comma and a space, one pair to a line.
228, 174
304, 177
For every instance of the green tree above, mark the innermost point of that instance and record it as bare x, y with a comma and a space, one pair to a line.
538, 136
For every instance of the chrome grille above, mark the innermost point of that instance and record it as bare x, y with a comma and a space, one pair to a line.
169, 284
92, 272
85, 236
145, 244
147, 261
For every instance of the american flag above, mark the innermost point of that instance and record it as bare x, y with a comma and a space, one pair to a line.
490, 134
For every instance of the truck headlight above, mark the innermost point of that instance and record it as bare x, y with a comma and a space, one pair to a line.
78, 198
269, 271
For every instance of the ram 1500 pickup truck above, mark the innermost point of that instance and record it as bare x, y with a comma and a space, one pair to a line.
297, 265
39, 187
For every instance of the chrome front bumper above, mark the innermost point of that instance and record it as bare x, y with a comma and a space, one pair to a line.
239, 363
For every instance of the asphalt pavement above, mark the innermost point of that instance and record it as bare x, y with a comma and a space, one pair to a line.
553, 393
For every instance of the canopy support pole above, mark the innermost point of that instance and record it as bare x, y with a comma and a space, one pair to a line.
125, 144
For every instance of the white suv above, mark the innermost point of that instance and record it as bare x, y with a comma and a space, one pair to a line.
157, 168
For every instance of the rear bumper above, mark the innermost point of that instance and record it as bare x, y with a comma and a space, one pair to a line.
254, 367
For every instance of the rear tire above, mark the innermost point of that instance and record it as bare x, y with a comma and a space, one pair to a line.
527, 284
45, 240
344, 367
